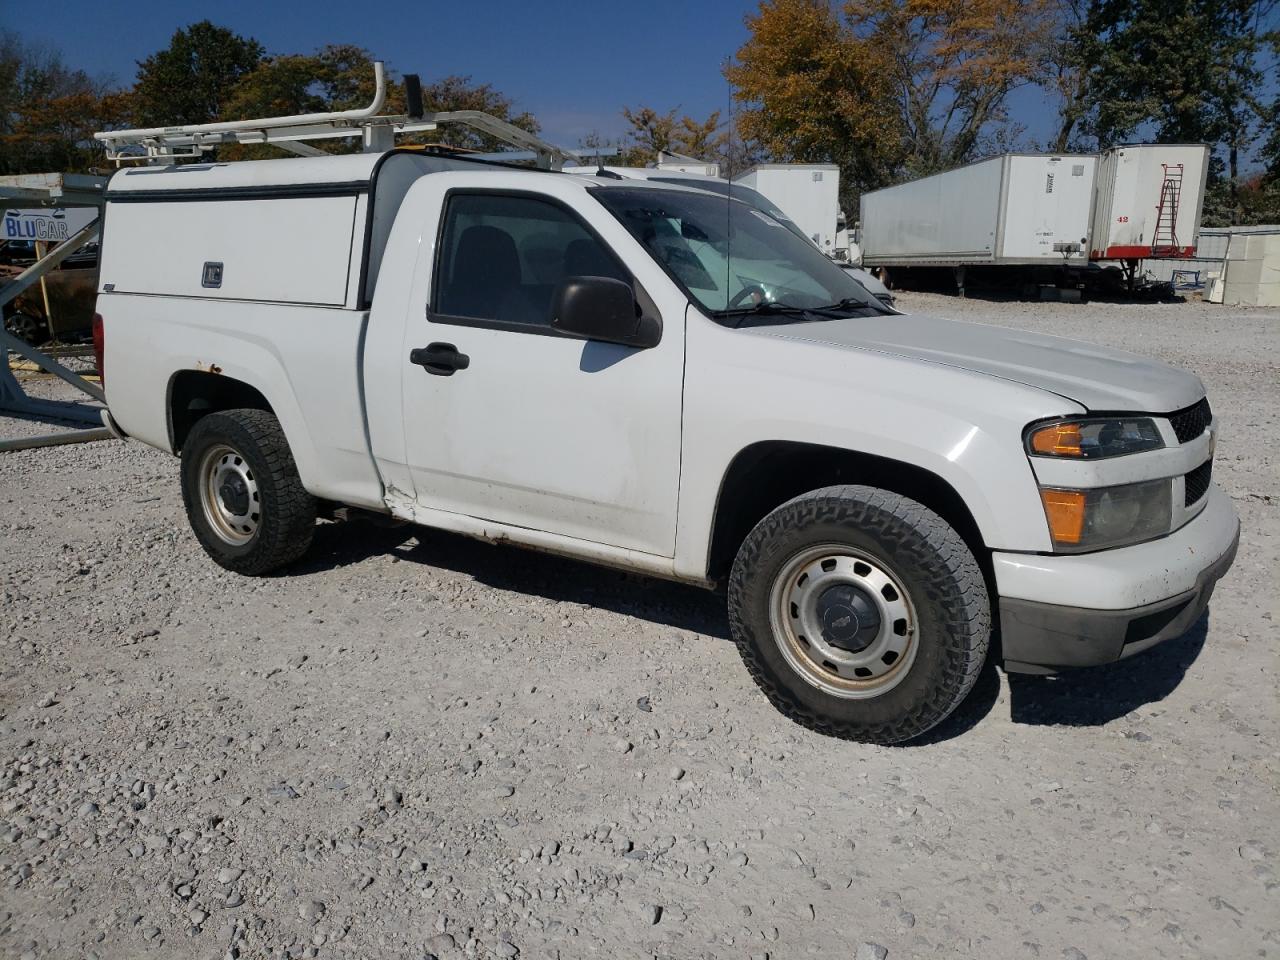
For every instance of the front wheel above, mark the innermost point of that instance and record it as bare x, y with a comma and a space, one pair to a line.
244, 499
860, 613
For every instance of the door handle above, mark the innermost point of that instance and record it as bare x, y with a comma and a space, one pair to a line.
440, 359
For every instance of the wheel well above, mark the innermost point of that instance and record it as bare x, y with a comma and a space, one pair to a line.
767, 475
195, 393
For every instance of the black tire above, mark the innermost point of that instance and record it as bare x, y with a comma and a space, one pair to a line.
282, 515
29, 329
946, 594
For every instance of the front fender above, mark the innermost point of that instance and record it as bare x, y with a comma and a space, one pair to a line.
963, 427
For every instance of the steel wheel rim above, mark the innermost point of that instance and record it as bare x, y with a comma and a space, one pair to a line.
229, 495
808, 608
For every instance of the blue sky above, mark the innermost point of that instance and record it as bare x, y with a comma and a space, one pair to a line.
574, 65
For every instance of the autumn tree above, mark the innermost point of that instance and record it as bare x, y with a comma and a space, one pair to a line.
953, 65
652, 133
811, 91
190, 80
49, 111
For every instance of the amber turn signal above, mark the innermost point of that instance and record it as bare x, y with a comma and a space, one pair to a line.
1065, 512
1057, 440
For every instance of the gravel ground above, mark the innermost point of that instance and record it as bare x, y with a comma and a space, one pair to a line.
417, 745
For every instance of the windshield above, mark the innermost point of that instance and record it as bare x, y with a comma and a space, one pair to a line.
736, 190
732, 259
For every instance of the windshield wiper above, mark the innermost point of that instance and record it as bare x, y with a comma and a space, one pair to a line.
767, 308
854, 303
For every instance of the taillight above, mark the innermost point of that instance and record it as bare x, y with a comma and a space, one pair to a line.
99, 343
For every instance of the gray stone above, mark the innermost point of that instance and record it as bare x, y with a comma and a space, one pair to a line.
311, 910
441, 943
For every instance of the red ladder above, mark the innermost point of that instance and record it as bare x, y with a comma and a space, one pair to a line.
1165, 238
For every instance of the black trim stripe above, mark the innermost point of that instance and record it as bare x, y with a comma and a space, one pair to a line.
350, 188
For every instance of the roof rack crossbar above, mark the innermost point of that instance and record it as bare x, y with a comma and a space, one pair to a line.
161, 144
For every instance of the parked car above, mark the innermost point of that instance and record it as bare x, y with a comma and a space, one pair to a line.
648, 376
71, 288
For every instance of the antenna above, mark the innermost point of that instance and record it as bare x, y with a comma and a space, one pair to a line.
728, 193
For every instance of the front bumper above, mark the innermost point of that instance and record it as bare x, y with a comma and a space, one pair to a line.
1062, 612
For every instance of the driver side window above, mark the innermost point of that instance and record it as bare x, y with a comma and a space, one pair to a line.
501, 258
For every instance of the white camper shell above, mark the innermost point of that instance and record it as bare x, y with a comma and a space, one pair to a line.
298, 231
1012, 209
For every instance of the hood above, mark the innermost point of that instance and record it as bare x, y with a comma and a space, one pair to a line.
1098, 378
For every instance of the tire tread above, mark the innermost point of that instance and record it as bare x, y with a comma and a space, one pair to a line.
286, 531
908, 529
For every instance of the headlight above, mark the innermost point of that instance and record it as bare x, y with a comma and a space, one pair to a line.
1108, 516
1094, 439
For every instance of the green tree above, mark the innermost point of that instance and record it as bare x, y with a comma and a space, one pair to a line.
1177, 71
1065, 57
462, 93
341, 77
191, 79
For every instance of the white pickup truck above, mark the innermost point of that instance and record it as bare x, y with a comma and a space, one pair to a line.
665, 380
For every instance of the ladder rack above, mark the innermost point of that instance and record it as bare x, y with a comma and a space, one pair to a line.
291, 133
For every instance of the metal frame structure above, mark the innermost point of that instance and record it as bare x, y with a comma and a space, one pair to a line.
49, 190
376, 133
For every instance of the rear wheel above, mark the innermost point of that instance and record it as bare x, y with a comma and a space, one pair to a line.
243, 496
860, 613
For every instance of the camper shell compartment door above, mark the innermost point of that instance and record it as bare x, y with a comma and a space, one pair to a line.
233, 246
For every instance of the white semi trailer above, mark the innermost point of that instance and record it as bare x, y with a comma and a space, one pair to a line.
1148, 201
809, 194
1130, 203
1015, 209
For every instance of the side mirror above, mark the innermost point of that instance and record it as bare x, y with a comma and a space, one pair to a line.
600, 308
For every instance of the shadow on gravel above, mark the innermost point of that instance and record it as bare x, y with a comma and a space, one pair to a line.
971, 712
1098, 695
1089, 697
522, 571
